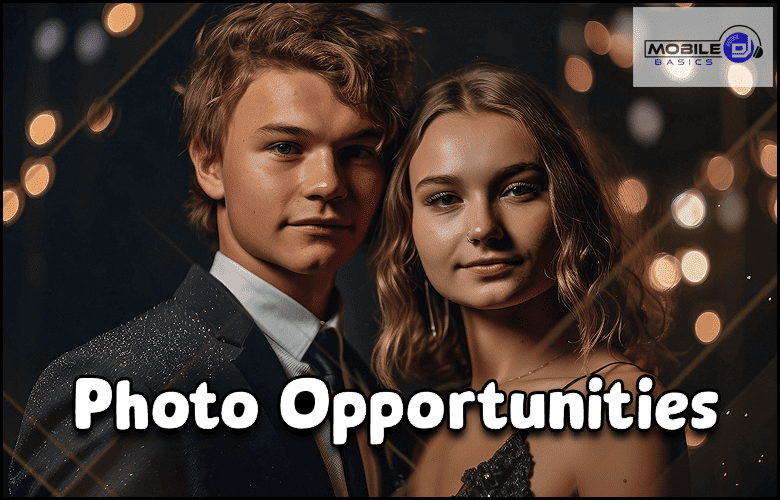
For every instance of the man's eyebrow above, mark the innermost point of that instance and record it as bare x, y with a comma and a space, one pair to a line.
282, 128
366, 133
294, 130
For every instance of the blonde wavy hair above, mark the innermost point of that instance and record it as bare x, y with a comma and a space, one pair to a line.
595, 233
367, 61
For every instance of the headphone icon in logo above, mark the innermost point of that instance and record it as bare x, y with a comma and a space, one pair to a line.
738, 47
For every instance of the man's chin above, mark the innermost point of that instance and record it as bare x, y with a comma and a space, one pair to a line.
318, 265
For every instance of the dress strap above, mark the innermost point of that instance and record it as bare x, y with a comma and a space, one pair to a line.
595, 372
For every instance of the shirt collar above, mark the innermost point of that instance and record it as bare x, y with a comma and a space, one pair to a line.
283, 320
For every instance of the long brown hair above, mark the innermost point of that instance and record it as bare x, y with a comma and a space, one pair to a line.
367, 61
594, 231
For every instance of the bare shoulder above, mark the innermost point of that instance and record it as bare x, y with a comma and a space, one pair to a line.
627, 462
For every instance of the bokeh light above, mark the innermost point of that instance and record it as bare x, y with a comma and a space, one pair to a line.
570, 36
122, 19
720, 173
597, 37
37, 175
767, 154
664, 273
42, 127
732, 211
740, 79
49, 39
689, 209
679, 72
695, 265
632, 195
578, 74
13, 202
621, 49
91, 43
645, 121
707, 327
99, 116
772, 203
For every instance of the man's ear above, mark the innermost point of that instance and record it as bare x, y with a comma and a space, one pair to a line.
209, 175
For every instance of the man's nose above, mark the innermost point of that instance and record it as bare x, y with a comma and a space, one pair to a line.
323, 177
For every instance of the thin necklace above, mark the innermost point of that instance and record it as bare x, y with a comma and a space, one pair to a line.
536, 369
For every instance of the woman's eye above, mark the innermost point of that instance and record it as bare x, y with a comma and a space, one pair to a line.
442, 200
519, 189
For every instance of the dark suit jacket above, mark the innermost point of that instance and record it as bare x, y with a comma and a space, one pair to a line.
203, 333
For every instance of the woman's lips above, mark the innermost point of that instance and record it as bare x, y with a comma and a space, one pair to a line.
492, 269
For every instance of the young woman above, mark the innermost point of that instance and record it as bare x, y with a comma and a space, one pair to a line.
500, 227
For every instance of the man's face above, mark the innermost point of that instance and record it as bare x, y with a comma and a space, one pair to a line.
300, 178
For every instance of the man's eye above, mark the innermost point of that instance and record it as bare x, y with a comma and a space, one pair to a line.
359, 152
285, 149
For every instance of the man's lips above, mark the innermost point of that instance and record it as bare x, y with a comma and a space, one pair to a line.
321, 226
328, 222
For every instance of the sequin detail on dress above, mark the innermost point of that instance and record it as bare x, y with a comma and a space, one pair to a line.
505, 474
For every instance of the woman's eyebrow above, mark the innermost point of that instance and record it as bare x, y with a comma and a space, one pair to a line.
516, 168
436, 180
500, 176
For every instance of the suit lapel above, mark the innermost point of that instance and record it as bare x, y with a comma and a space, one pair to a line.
257, 362
260, 366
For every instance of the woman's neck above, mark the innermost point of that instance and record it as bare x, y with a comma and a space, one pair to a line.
503, 343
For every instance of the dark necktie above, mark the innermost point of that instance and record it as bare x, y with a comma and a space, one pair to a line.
323, 357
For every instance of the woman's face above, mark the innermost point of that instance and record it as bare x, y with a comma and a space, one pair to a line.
478, 175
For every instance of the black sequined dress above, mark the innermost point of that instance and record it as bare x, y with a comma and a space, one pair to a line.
505, 474
508, 472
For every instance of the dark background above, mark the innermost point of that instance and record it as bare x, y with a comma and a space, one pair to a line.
109, 240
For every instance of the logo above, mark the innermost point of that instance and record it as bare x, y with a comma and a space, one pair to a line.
739, 47
703, 47
735, 43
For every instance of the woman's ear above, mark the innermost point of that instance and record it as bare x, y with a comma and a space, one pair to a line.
209, 174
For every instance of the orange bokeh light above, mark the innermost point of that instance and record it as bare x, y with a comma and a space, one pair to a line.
42, 128
37, 175
708, 327
597, 37
767, 153
632, 195
664, 272
122, 19
720, 173
578, 74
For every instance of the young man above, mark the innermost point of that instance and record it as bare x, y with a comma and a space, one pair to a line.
288, 112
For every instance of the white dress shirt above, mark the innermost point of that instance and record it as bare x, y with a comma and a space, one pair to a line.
290, 329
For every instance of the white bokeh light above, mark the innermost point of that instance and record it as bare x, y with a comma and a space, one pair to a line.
645, 121
695, 265
732, 211
679, 72
49, 39
91, 42
741, 78
689, 209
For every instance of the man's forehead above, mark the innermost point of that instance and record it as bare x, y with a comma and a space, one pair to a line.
282, 99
